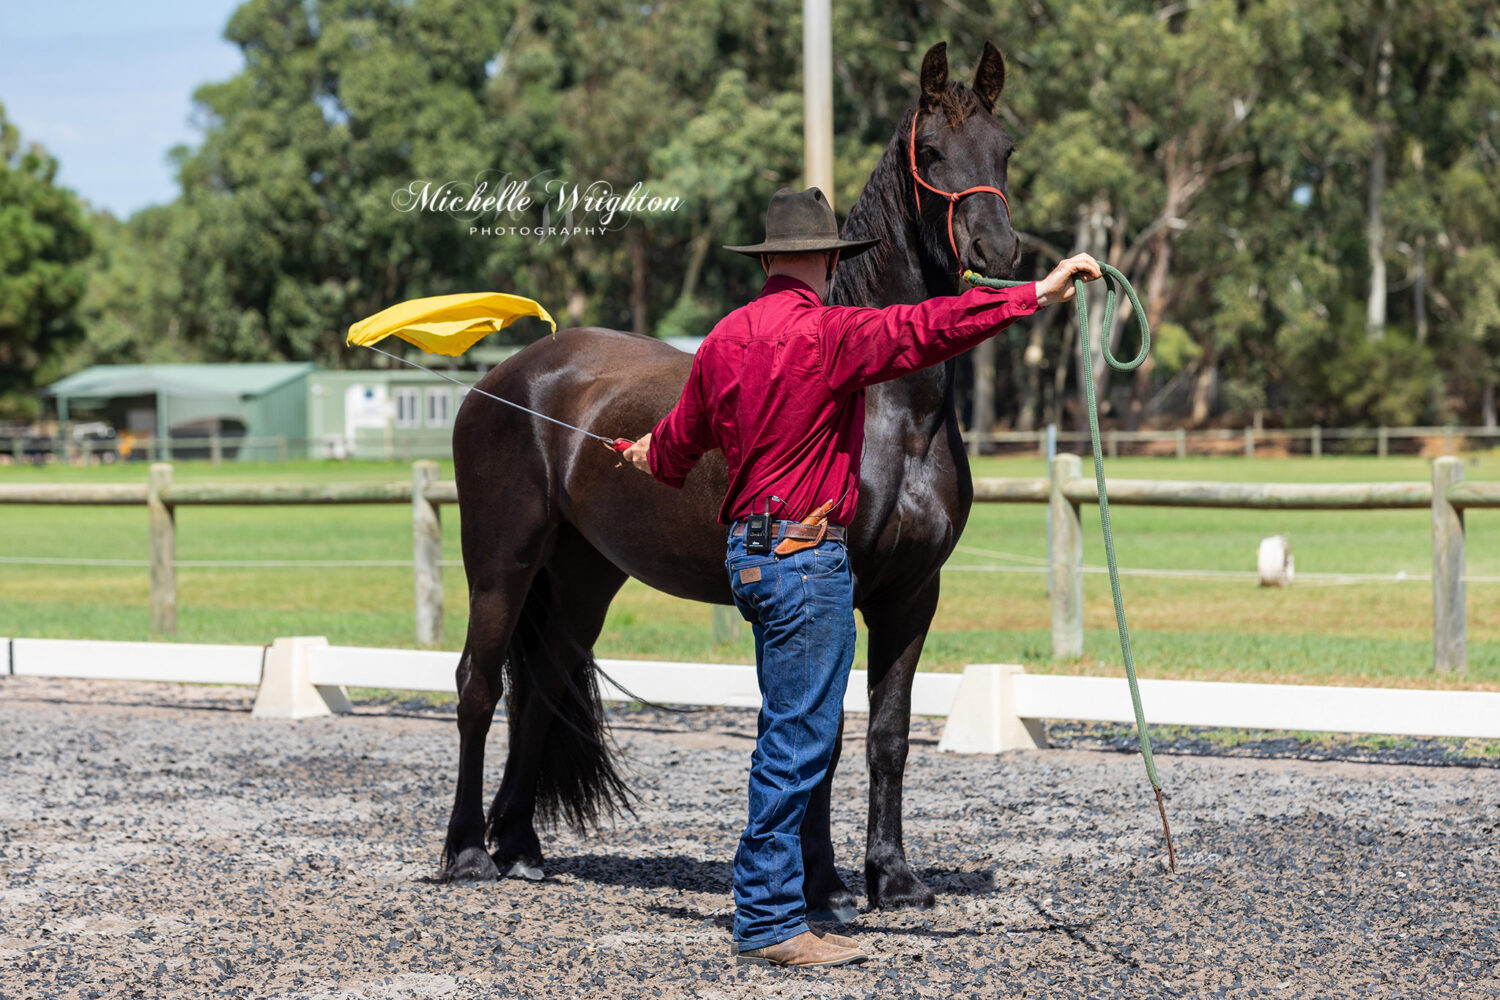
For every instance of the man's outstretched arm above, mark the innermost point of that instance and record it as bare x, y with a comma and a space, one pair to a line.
863, 346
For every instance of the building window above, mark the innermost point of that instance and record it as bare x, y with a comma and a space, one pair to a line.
406, 407
439, 408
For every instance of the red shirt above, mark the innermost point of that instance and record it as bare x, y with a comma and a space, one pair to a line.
779, 386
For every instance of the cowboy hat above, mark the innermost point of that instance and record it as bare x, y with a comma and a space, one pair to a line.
802, 222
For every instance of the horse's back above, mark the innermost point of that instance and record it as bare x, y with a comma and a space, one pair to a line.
589, 354
608, 382
611, 383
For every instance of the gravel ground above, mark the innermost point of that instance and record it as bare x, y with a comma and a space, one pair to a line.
158, 842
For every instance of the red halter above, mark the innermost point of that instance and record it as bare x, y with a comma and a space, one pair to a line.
952, 198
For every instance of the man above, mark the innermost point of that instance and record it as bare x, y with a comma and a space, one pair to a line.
778, 386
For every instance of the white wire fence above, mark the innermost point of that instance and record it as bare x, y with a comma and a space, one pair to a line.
1028, 565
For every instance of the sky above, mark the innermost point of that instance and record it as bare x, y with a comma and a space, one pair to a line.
106, 86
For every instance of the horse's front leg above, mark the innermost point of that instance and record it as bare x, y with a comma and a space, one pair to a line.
897, 631
827, 897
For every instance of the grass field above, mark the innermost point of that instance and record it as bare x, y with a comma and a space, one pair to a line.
1361, 633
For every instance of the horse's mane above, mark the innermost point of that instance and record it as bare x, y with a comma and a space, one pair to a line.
888, 199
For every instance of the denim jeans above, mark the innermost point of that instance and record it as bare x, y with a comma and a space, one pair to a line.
801, 609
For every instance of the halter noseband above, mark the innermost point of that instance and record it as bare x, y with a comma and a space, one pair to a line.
952, 197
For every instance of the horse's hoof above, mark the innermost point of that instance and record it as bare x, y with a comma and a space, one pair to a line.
838, 913
526, 870
901, 891
473, 864
835, 905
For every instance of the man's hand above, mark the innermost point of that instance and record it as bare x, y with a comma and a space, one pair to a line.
1058, 286
640, 454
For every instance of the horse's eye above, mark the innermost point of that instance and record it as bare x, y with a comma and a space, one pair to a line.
930, 153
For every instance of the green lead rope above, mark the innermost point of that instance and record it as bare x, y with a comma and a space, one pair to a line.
1113, 279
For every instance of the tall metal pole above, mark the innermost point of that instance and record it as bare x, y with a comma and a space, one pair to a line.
817, 95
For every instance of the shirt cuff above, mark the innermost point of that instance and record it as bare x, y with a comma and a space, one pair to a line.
1020, 298
671, 477
1026, 297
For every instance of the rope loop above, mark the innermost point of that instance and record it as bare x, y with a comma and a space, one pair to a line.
1113, 281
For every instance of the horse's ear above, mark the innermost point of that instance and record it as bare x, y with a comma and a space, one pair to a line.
989, 78
935, 71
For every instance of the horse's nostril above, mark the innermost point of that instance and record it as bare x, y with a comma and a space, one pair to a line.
981, 260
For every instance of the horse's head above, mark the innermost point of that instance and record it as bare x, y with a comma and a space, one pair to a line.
959, 146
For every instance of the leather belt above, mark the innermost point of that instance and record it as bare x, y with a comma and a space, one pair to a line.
795, 529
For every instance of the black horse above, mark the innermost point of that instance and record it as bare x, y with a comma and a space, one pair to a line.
553, 524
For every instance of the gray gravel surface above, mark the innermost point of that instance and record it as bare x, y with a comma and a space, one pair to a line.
156, 841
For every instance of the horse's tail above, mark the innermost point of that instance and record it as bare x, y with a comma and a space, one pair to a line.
556, 719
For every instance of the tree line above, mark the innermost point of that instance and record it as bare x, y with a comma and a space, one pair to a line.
1306, 192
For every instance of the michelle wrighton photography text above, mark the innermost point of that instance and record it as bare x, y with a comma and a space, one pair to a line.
566, 208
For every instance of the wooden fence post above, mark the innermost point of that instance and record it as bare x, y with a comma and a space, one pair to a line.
427, 555
1449, 638
1382, 442
1249, 442
1181, 443
1317, 441
1066, 565
163, 552
216, 449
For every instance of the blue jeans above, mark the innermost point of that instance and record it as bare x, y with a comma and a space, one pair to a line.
801, 608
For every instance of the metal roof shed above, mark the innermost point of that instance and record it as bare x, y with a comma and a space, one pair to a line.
268, 399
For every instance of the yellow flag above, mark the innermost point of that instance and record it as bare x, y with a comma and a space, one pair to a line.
446, 324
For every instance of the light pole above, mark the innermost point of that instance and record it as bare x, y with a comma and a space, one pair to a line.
817, 95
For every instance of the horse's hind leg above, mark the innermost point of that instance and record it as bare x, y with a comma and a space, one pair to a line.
493, 610
501, 561
554, 735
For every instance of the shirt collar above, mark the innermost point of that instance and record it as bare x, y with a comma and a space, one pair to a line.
782, 282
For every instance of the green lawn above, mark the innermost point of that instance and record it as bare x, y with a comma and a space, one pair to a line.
1189, 628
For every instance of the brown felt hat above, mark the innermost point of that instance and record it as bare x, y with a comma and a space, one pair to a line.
802, 222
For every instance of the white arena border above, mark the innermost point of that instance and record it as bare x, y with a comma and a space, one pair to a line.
990, 707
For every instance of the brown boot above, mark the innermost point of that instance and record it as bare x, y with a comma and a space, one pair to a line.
806, 950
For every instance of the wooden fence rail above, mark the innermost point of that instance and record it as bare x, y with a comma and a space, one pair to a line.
1254, 496
1065, 492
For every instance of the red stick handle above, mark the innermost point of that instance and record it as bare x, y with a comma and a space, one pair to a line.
622, 445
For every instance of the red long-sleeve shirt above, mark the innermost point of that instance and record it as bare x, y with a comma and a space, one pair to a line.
779, 386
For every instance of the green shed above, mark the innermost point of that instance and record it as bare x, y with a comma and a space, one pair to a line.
266, 411
256, 404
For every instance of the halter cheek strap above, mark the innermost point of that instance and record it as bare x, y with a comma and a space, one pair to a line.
951, 196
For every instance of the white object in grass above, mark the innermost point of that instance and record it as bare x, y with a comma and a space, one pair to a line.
1275, 562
